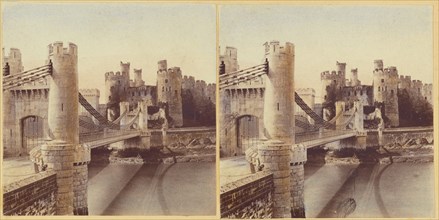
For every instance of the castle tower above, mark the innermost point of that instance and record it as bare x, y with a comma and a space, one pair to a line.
354, 78
341, 68
230, 59
138, 78
427, 92
63, 122
385, 87
169, 83
279, 96
279, 121
333, 82
92, 96
14, 61
378, 65
15, 66
116, 90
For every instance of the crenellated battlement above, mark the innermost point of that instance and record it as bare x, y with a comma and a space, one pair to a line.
116, 76
333, 75
274, 47
305, 91
378, 64
90, 92
58, 49
402, 77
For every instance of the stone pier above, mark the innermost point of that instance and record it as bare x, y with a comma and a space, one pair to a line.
275, 157
298, 159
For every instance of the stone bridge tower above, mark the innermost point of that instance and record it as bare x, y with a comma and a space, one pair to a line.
63, 122
279, 129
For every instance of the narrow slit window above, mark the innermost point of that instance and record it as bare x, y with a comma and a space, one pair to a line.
278, 106
62, 107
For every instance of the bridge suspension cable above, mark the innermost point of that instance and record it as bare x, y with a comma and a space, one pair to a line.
19, 79
102, 120
117, 120
234, 78
127, 125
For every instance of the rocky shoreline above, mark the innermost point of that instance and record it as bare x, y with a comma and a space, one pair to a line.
174, 154
413, 151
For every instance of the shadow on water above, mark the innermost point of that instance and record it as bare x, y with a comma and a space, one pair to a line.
161, 196
99, 160
346, 199
315, 161
142, 177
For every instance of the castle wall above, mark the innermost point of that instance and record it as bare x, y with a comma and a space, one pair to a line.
142, 93
405, 82
23, 103
416, 89
364, 94
238, 102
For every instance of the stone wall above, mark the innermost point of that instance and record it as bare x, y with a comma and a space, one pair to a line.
182, 136
35, 195
398, 136
251, 197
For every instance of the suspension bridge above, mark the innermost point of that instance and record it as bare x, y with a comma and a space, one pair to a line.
257, 119
312, 134
103, 133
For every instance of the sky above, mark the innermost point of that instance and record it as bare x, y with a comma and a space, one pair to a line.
139, 33
401, 36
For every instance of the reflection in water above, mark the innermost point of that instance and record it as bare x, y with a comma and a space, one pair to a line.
370, 190
346, 207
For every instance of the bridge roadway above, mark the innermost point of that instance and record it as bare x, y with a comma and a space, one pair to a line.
98, 139
314, 139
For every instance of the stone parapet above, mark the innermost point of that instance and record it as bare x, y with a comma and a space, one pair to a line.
34, 195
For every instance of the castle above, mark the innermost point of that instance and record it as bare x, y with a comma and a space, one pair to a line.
383, 91
167, 93
26, 106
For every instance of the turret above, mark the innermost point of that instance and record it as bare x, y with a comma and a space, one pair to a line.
138, 78
378, 65
385, 87
279, 96
169, 82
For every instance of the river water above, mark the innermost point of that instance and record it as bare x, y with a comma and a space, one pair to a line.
401, 190
152, 189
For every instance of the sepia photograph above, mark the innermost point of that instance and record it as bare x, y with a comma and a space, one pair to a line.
108, 109
326, 111
219, 109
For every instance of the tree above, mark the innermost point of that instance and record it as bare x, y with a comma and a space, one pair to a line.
414, 110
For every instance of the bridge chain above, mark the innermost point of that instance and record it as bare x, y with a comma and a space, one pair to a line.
102, 120
19, 79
